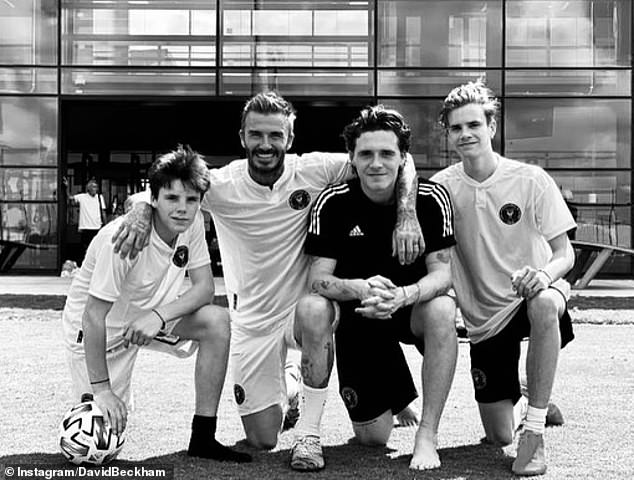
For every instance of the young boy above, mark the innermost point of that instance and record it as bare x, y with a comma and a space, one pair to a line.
115, 306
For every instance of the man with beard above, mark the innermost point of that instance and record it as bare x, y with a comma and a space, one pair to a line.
260, 207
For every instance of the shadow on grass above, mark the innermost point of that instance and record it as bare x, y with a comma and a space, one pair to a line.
347, 461
56, 302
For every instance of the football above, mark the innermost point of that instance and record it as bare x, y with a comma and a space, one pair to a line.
84, 437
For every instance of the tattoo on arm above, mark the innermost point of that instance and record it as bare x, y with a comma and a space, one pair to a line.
336, 289
323, 282
443, 256
407, 186
319, 286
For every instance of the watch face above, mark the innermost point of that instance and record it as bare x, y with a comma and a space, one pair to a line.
181, 256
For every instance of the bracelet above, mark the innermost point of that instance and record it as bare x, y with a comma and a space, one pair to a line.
107, 379
405, 295
161, 317
547, 274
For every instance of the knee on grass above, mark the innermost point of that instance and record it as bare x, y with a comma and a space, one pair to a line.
262, 440
499, 438
375, 432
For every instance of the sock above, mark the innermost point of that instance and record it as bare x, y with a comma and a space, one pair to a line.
292, 377
519, 412
313, 403
536, 419
203, 442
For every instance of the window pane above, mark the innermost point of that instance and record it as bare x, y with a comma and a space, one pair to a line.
138, 82
601, 201
28, 32
598, 187
28, 80
28, 184
568, 133
432, 83
605, 224
319, 34
313, 82
34, 225
28, 131
156, 33
440, 33
578, 83
576, 33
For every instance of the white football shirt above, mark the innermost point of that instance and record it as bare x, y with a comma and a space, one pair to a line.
155, 277
261, 233
501, 225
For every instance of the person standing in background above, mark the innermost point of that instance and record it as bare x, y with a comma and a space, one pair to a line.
92, 212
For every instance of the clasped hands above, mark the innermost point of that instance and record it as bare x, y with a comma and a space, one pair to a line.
528, 281
380, 298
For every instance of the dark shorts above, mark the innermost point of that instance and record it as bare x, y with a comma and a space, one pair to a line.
373, 373
495, 361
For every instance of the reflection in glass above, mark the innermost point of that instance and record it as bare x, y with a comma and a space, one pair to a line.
611, 225
576, 83
410, 83
29, 222
576, 33
319, 34
297, 54
440, 33
28, 184
28, 32
28, 80
304, 82
567, 133
138, 82
28, 131
598, 187
179, 33
34, 228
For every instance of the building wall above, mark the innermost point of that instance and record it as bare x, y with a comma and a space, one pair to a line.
562, 70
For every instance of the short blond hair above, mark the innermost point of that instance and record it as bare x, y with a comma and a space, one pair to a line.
472, 92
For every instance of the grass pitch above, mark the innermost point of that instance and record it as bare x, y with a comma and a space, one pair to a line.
595, 387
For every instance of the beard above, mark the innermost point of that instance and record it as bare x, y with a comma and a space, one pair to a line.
272, 162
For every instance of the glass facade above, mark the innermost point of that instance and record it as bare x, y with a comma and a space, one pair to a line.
562, 71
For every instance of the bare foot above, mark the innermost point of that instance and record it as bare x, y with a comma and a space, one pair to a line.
425, 456
408, 417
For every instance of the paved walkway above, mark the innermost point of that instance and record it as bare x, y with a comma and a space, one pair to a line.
35, 285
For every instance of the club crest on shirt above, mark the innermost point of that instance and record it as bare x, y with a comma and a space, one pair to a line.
238, 392
510, 213
299, 199
350, 398
479, 378
181, 256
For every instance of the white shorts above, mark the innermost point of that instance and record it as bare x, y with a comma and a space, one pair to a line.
258, 365
120, 361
